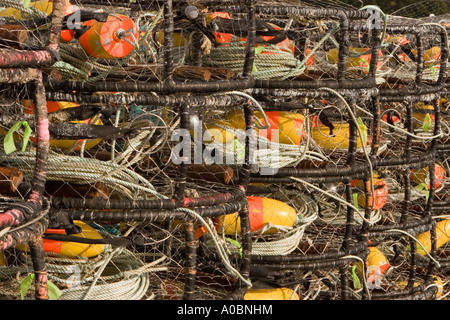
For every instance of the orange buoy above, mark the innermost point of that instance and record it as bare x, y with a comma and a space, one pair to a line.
285, 126
112, 39
380, 193
423, 176
362, 61
395, 120
262, 212
401, 41
310, 60
53, 106
226, 38
67, 35
221, 37
286, 43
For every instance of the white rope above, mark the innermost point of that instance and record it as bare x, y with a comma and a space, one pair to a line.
366, 155
363, 272
85, 170
439, 135
223, 255
269, 154
415, 239
374, 219
255, 102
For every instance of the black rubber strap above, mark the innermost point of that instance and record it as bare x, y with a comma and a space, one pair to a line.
121, 241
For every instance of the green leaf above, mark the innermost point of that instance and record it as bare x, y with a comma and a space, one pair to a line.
26, 3
8, 142
26, 136
422, 186
364, 61
426, 126
254, 68
236, 244
355, 200
239, 148
363, 128
356, 281
25, 285
259, 49
433, 70
53, 291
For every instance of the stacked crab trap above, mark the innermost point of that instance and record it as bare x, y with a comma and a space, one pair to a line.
212, 150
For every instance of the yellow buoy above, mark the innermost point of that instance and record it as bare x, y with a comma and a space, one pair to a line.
284, 127
430, 56
2, 259
271, 294
442, 237
65, 144
339, 139
45, 6
437, 281
440, 285
179, 38
214, 132
376, 265
72, 249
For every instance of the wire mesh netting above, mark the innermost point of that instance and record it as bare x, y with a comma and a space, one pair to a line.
216, 150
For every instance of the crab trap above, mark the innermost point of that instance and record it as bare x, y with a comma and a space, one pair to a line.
216, 150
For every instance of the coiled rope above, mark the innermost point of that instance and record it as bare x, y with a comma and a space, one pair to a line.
275, 63
84, 171
126, 277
